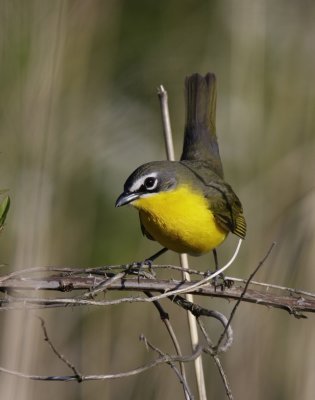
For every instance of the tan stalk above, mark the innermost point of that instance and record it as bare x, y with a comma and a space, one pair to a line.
183, 257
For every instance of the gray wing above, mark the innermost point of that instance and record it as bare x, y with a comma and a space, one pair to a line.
223, 202
226, 207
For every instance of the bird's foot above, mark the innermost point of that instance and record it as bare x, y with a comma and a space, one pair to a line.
220, 282
141, 269
138, 267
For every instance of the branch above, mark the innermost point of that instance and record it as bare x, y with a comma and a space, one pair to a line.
68, 280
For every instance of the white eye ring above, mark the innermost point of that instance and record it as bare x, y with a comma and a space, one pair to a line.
150, 183
139, 184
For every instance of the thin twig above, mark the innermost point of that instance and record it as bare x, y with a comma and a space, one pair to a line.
198, 311
181, 378
260, 264
294, 292
216, 359
165, 319
65, 378
58, 354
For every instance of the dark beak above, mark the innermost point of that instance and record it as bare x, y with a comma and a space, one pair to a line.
126, 198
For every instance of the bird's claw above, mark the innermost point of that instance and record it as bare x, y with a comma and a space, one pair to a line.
220, 282
137, 268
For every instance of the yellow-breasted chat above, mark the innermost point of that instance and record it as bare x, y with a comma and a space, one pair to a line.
186, 205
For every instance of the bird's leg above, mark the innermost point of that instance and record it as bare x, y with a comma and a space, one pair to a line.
216, 280
135, 267
216, 262
155, 255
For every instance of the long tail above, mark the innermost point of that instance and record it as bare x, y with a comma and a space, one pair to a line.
200, 141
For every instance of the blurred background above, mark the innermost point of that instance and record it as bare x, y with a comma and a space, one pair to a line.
79, 112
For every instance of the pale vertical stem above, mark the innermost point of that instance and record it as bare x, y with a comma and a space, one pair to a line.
194, 335
168, 137
183, 257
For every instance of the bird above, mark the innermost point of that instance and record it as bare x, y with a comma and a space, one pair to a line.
187, 206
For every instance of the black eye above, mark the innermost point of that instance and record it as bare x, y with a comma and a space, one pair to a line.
150, 183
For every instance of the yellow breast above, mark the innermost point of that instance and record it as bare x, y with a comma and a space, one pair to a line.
180, 220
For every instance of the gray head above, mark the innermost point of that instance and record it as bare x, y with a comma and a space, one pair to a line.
148, 179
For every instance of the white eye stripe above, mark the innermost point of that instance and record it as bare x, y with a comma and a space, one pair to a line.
140, 182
